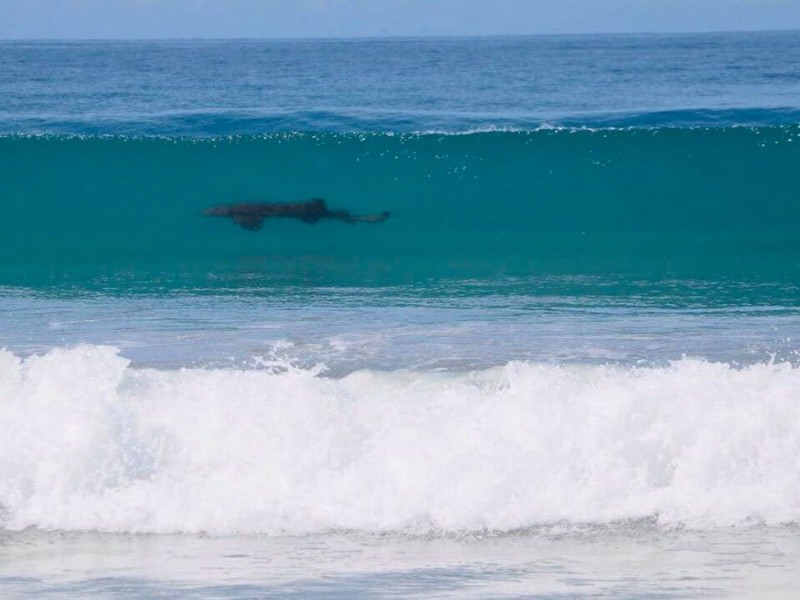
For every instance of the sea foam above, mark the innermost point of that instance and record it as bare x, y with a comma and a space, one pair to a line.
90, 443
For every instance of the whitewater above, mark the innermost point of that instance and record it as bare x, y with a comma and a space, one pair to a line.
92, 444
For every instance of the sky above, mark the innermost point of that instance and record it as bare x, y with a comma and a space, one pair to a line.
149, 19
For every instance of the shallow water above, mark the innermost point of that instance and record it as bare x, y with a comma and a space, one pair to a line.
622, 561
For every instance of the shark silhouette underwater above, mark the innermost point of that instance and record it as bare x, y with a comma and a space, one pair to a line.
251, 215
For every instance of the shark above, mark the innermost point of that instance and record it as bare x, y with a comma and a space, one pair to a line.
251, 215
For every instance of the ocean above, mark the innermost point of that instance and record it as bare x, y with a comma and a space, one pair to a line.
565, 366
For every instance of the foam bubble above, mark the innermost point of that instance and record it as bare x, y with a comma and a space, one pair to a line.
91, 443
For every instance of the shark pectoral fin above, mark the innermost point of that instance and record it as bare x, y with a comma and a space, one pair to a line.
249, 222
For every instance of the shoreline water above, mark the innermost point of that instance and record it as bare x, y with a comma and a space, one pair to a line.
627, 563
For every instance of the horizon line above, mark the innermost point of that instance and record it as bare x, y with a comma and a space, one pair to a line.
400, 37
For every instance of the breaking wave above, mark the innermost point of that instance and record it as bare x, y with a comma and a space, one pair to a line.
90, 443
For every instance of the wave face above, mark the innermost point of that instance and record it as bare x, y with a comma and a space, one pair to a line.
91, 444
652, 203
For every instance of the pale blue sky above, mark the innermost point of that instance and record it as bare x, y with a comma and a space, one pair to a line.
104, 19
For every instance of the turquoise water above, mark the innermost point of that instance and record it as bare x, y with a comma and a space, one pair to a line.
566, 364
712, 204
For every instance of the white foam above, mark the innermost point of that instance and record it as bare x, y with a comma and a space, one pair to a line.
90, 443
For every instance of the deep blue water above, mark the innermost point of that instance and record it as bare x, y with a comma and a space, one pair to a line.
575, 333
214, 88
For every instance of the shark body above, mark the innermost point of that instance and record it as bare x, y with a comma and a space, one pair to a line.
251, 215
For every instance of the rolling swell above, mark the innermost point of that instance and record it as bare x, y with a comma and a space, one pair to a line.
685, 202
202, 123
